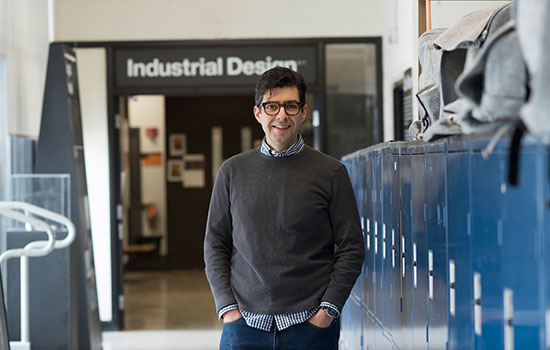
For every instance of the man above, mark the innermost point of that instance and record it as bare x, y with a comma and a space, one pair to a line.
283, 243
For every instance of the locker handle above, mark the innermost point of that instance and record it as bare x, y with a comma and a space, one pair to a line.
431, 274
414, 266
452, 292
403, 256
508, 305
477, 306
384, 241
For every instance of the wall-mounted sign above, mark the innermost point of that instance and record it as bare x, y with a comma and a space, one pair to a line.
236, 65
193, 171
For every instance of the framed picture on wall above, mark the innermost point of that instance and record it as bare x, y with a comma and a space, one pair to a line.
178, 144
174, 173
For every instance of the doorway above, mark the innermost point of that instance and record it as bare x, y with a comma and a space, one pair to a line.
133, 69
171, 149
174, 171
211, 129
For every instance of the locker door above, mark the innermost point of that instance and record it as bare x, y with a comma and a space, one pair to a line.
406, 252
522, 254
357, 292
369, 267
394, 231
461, 328
350, 332
545, 223
378, 277
390, 282
420, 258
487, 180
352, 323
436, 234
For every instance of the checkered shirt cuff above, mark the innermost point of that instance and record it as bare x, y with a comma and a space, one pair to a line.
227, 308
332, 306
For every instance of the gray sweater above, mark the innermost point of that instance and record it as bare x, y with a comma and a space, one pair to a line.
283, 234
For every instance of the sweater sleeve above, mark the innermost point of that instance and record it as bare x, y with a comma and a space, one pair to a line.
218, 242
348, 238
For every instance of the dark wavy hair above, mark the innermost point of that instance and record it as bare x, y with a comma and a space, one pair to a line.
279, 77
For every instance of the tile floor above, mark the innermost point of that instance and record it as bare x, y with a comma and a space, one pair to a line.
162, 340
166, 310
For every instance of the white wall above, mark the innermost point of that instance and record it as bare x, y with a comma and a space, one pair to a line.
145, 112
103, 20
399, 53
24, 43
92, 82
113, 20
446, 13
395, 20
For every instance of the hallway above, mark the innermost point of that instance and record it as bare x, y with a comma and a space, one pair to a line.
166, 310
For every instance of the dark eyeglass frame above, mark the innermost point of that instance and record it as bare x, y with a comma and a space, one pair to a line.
284, 105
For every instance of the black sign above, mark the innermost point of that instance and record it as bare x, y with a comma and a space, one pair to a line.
180, 67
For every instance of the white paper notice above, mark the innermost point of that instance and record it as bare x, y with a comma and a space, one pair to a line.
193, 171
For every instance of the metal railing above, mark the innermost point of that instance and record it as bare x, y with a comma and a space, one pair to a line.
22, 212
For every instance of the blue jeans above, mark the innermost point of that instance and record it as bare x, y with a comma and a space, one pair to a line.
237, 335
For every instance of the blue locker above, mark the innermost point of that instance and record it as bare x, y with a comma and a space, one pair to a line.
461, 305
357, 181
487, 181
394, 244
358, 327
386, 282
545, 224
369, 267
350, 333
447, 210
352, 327
436, 236
378, 271
418, 242
406, 261
522, 253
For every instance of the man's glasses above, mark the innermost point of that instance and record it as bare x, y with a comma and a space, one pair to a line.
273, 108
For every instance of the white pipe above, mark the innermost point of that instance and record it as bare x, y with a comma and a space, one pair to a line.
31, 249
25, 312
59, 244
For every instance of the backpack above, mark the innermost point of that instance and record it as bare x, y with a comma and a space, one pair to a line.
461, 49
533, 30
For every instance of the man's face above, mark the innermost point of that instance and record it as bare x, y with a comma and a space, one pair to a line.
281, 130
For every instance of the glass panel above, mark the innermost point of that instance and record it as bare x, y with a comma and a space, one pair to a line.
353, 120
48, 191
4, 139
4, 145
22, 151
